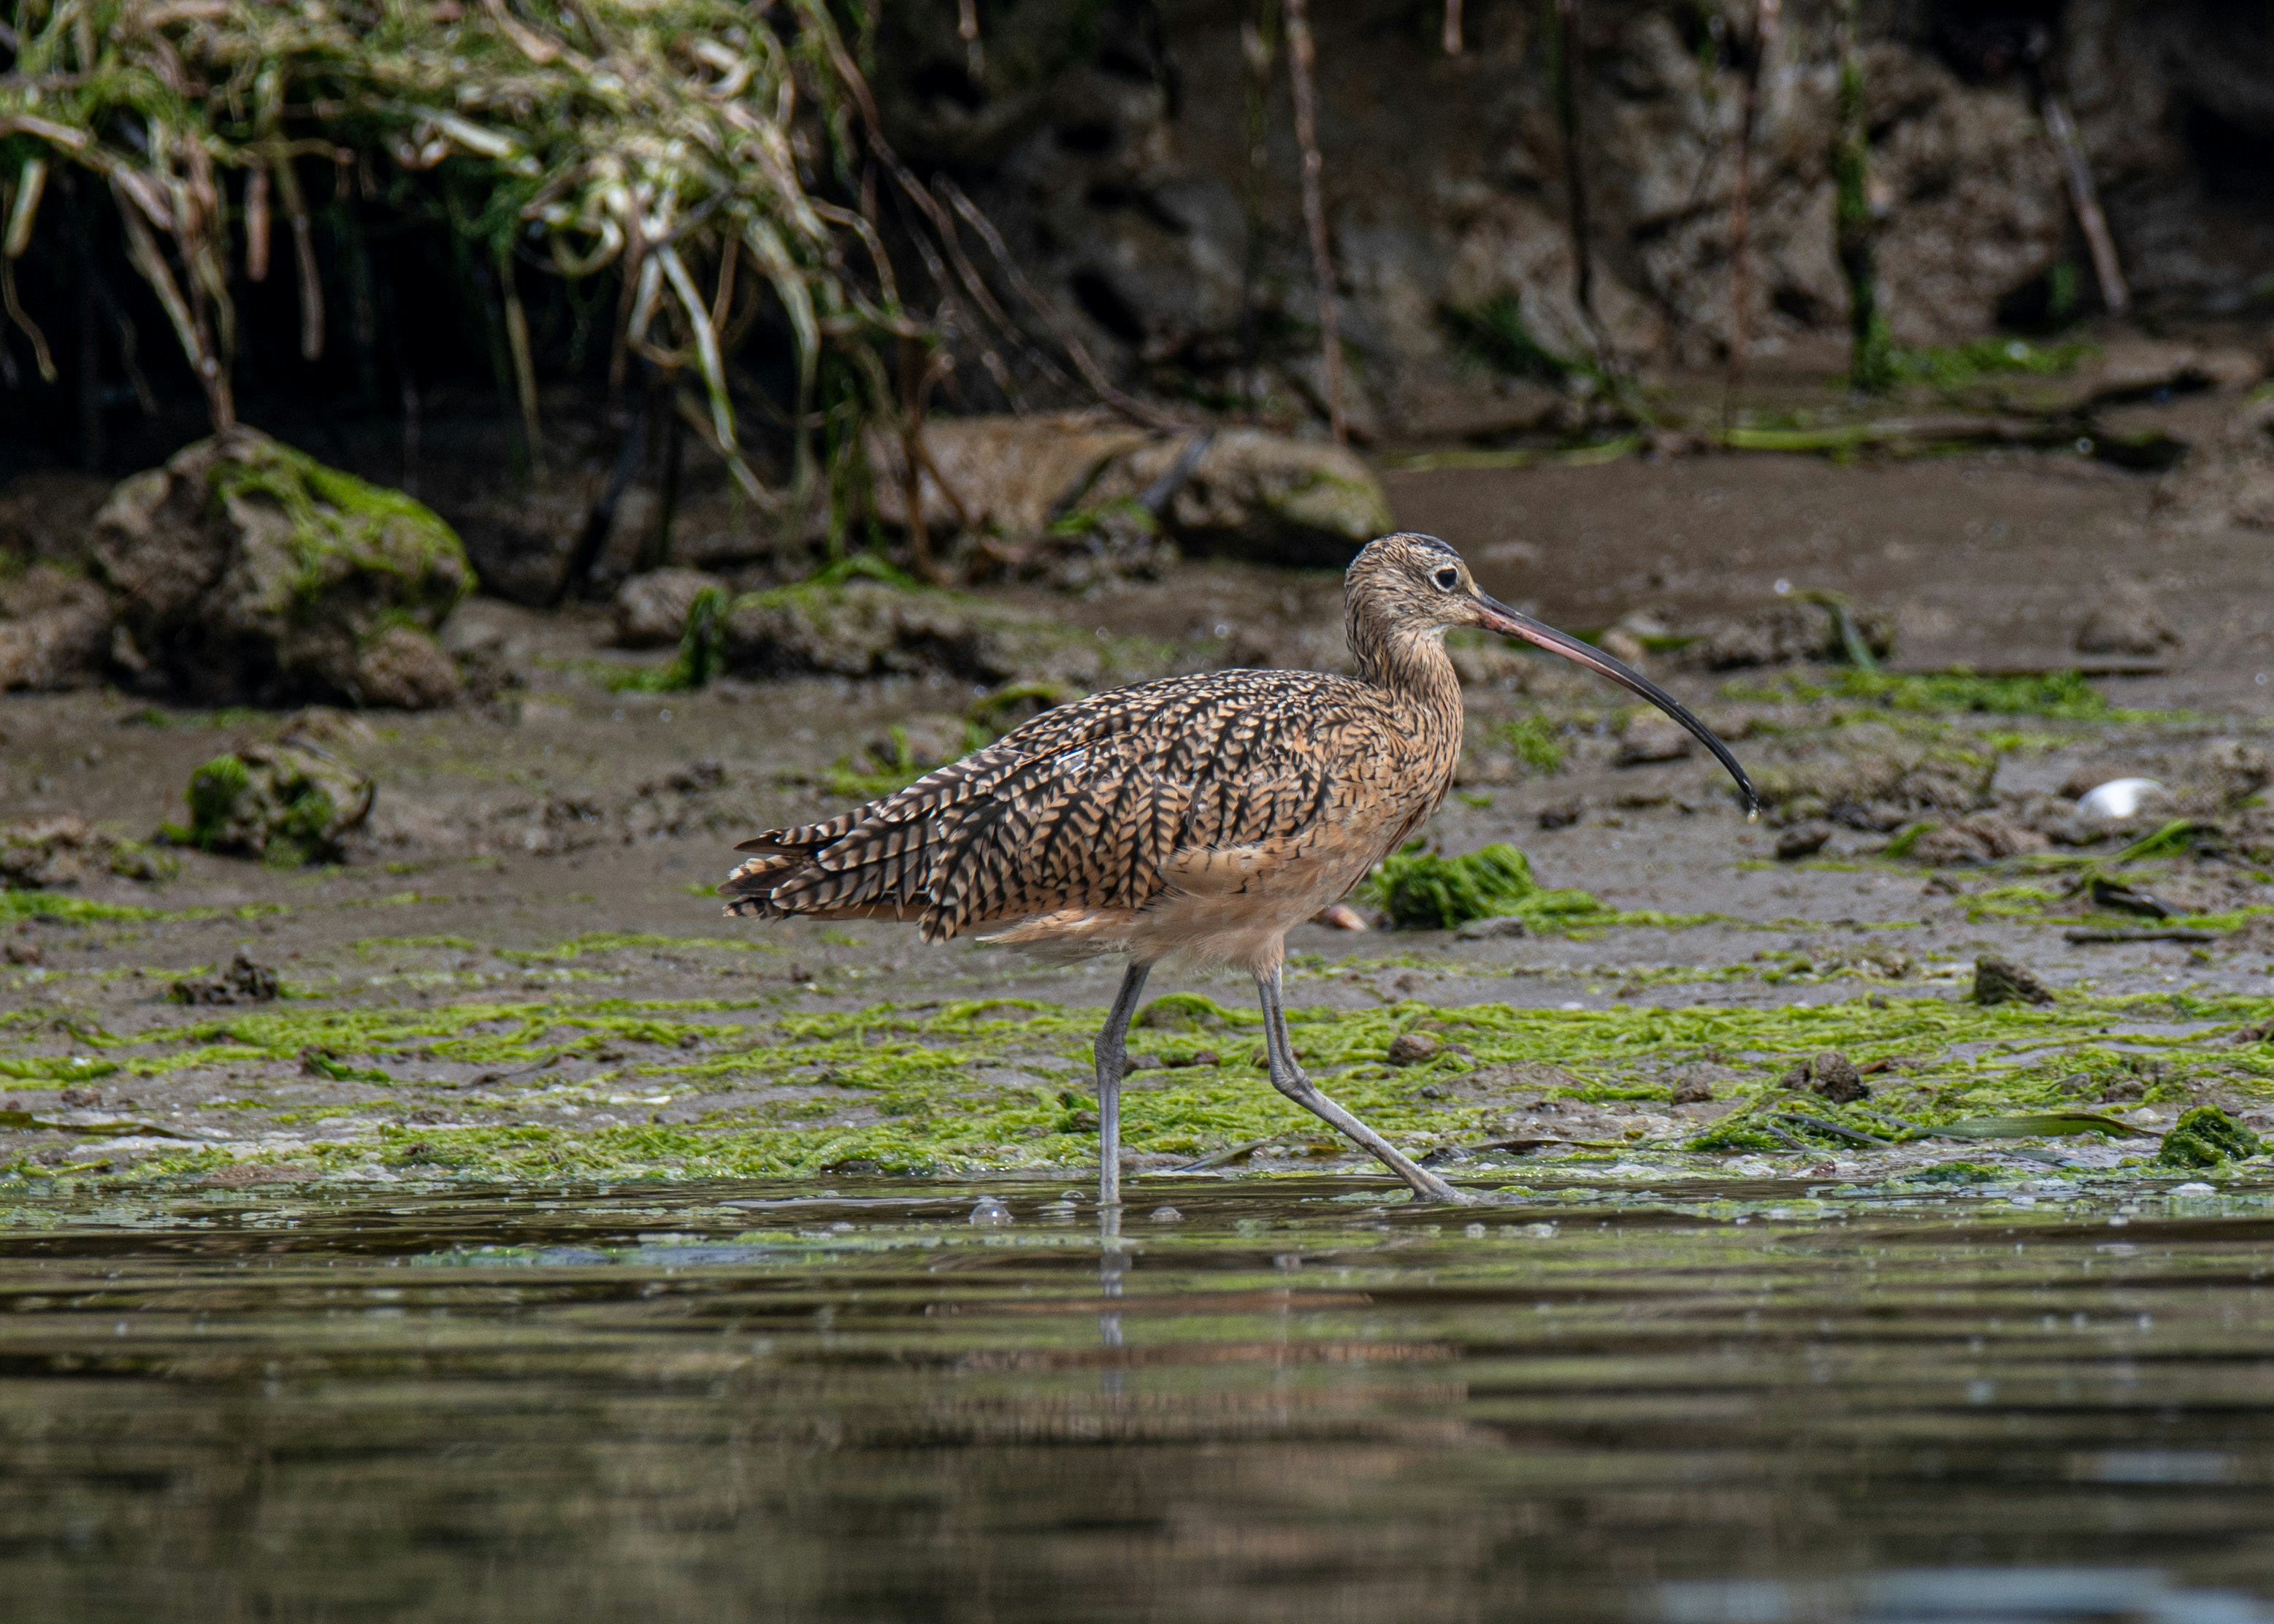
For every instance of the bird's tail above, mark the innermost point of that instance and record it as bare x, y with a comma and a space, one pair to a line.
750, 890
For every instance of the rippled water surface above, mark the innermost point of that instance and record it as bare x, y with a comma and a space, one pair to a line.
1285, 1402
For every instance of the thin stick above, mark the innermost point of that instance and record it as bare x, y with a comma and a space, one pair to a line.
32, 184
256, 224
1302, 57
525, 363
30, 328
1760, 45
190, 328
2085, 197
966, 29
303, 255
1452, 40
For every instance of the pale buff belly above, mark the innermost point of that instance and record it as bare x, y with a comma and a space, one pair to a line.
1229, 907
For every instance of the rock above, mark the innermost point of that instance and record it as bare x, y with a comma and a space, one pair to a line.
2235, 769
1983, 837
1833, 1077
2001, 980
650, 610
1802, 840
870, 628
55, 853
48, 515
922, 742
54, 630
1341, 916
1502, 928
290, 803
246, 980
246, 571
1653, 736
519, 543
1869, 776
487, 655
22, 952
329, 729
1413, 1049
1264, 496
1787, 630
403, 669
46, 853
1278, 500
2127, 622
1694, 1088
2225, 483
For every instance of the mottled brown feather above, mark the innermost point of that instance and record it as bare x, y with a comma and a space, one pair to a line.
1105, 806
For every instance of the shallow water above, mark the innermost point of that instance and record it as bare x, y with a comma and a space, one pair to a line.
755, 1402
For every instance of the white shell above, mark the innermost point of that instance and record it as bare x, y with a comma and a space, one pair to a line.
2121, 798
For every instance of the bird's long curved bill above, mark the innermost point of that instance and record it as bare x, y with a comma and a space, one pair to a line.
1500, 618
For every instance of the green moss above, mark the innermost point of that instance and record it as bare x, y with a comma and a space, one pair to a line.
50, 905
1495, 335
1957, 366
2065, 694
341, 524
1536, 743
1420, 891
1001, 1083
214, 792
2204, 1137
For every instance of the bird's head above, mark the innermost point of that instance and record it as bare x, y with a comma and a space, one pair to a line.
1409, 585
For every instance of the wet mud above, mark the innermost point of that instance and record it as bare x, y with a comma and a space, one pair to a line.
520, 973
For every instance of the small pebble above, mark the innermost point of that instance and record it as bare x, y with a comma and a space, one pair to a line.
1170, 1214
1475, 1231
1413, 1047
2193, 1188
991, 1210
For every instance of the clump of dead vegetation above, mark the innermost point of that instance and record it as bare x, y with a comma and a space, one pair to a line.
690, 147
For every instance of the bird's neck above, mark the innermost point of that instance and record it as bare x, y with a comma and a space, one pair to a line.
1412, 665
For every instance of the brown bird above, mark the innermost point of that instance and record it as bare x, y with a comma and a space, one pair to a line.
1193, 818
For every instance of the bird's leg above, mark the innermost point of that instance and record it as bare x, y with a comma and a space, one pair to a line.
1288, 1079
1112, 1061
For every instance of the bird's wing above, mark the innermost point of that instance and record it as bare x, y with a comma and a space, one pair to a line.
1086, 805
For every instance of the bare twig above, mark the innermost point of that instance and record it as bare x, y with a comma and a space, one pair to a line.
24, 323
256, 224
1452, 36
2085, 197
525, 363
304, 257
1302, 57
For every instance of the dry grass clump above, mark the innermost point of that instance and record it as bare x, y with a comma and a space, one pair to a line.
682, 141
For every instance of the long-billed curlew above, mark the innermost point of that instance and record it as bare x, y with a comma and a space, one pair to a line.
1195, 817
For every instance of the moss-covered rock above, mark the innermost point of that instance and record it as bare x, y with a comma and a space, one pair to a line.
55, 854
246, 571
285, 803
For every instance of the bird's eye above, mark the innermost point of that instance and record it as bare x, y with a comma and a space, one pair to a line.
1446, 577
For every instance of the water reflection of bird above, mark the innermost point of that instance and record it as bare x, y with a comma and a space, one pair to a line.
1195, 818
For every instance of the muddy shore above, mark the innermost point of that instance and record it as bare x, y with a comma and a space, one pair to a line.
520, 972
